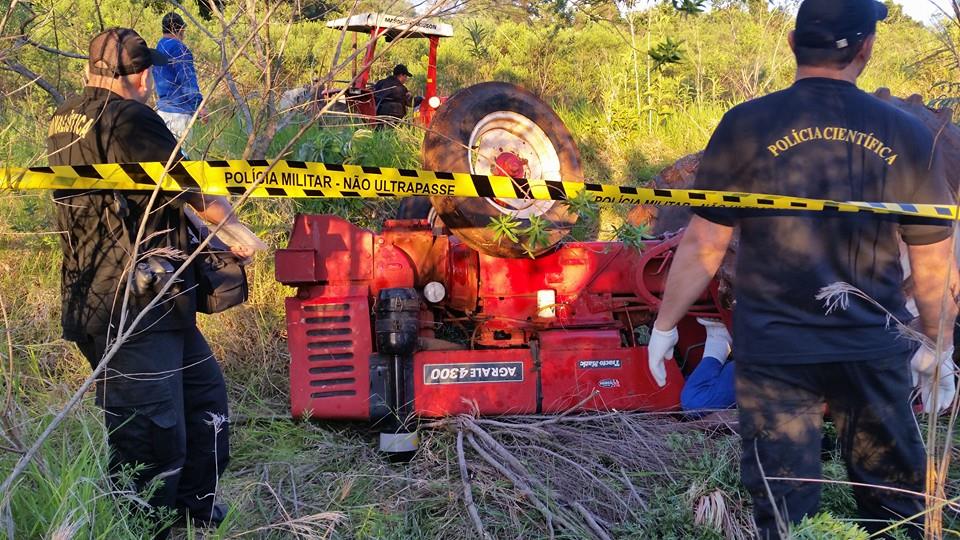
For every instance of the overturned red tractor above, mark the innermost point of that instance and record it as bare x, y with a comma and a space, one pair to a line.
432, 318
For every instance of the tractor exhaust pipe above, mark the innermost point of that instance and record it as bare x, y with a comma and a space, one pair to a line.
397, 327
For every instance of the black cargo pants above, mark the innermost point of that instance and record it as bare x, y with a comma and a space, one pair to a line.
165, 405
781, 415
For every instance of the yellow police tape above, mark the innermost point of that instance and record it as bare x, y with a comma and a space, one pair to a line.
297, 179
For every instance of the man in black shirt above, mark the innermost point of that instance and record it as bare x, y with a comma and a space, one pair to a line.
391, 95
823, 138
163, 392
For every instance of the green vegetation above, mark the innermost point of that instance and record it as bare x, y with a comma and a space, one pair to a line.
638, 88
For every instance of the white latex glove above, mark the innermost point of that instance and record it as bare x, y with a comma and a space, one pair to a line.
719, 343
922, 367
659, 349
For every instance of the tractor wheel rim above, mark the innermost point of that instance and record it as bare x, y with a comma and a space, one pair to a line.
509, 132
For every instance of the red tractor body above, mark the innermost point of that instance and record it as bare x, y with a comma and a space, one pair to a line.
541, 335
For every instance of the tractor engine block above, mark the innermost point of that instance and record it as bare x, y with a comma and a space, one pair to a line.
539, 335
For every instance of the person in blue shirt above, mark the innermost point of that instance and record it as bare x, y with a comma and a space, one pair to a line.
710, 386
178, 94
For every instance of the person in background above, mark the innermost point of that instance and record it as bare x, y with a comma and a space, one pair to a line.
178, 94
710, 386
391, 95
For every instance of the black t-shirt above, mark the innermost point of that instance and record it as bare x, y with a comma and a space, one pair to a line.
821, 139
100, 226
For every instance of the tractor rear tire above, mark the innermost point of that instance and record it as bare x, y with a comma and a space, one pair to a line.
414, 208
661, 220
513, 121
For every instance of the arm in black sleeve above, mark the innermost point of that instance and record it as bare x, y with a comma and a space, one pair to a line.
719, 170
930, 187
378, 92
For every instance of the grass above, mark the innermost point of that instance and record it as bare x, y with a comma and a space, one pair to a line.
615, 150
65, 493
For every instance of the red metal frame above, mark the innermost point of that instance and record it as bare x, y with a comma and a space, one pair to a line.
328, 335
361, 80
360, 97
426, 111
621, 379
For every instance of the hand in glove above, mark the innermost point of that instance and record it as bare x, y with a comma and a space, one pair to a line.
659, 349
719, 342
922, 367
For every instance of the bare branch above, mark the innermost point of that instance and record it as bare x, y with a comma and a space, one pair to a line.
196, 23
228, 77
33, 77
11, 433
53, 50
468, 490
6, 16
96, 4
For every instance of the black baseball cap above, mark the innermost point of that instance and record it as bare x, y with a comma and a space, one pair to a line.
836, 24
117, 52
401, 69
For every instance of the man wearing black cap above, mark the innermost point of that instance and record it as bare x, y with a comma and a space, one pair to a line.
178, 92
163, 392
391, 95
823, 138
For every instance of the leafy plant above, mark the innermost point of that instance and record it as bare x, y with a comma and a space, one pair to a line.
504, 226
668, 51
584, 206
588, 223
689, 7
477, 45
633, 235
536, 234
827, 527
